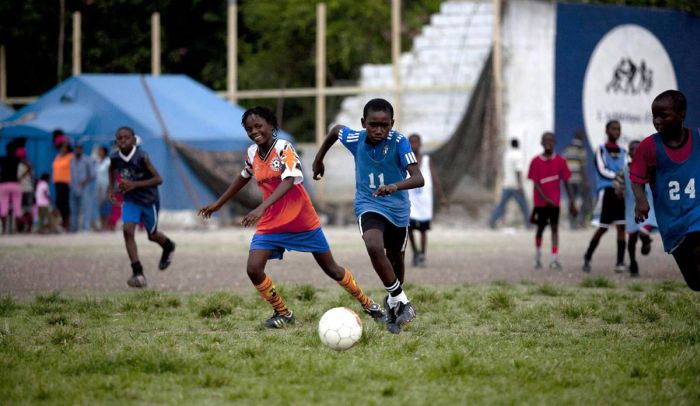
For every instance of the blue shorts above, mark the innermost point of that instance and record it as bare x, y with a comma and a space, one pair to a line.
309, 241
136, 213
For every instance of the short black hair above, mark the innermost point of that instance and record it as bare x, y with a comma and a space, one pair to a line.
676, 97
378, 105
45, 177
263, 112
129, 129
514, 143
611, 122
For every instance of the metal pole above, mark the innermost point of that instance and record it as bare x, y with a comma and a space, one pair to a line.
77, 38
232, 53
155, 44
3, 75
320, 72
395, 58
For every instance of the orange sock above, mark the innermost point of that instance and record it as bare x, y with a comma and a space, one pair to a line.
268, 292
348, 283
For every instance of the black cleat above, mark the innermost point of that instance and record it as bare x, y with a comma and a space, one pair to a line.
279, 320
375, 312
646, 244
586, 265
137, 281
391, 323
405, 313
634, 269
167, 256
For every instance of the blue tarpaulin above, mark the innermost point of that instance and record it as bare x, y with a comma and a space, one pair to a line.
89, 108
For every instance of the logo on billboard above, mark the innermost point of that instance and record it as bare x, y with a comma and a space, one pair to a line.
627, 69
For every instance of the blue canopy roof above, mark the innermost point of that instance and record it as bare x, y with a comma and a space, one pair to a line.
90, 107
5, 111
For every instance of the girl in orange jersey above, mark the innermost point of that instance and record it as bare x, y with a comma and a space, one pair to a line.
286, 219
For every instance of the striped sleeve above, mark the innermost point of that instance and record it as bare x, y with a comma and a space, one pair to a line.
406, 155
600, 164
247, 171
349, 138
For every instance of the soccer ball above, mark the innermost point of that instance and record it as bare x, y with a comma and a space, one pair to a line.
340, 328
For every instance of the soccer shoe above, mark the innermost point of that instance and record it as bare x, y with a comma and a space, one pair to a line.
619, 268
137, 281
422, 261
555, 265
279, 320
391, 323
405, 313
538, 264
586, 264
646, 244
375, 312
634, 269
167, 256
415, 259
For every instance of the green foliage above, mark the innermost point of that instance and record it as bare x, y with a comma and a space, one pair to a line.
587, 346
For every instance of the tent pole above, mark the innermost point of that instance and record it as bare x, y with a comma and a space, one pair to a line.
3, 75
232, 51
155, 44
77, 37
396, 59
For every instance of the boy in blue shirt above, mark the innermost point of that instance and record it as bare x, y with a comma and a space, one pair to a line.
139, 184
382, 158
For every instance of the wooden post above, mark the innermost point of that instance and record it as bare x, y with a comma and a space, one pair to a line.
232, 54
77, 38
3, 75
395, 58
320, 72
497, 138
155, 44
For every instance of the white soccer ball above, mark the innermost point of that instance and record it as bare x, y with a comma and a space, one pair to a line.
340, 328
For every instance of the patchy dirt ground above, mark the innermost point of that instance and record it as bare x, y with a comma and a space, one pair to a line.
215, 260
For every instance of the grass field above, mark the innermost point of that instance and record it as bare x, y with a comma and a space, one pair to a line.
592, 342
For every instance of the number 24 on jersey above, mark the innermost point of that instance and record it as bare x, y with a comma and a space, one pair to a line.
674, 189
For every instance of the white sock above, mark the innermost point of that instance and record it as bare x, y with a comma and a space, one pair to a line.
394, 300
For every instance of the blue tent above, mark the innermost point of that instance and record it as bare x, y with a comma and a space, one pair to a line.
5, 111
89, 108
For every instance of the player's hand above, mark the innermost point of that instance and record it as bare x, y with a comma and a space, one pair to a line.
549, 202
319, 169
207, 211
445, 203
252, 217
126, 186
641, 211
110, 196
386, 190
573, 211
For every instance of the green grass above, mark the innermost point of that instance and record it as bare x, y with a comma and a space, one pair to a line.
500, 343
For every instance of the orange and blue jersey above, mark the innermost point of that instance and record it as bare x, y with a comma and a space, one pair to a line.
293, 212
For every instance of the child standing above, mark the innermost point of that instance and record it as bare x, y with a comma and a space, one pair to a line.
286, 219
623, 186
382, 158
610, 159
422, 202
42, 196
139, 184
668, 161
547, 171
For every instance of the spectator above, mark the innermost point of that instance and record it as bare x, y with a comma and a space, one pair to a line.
576, 158
82, 174
61, 177
10, 189
43, 203
512, 186
102, 204
26, 181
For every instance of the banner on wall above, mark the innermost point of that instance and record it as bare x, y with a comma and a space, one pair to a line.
610, 63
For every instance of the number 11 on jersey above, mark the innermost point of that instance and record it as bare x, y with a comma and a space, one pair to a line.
372, 185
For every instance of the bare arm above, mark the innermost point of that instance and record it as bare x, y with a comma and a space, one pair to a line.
416, 180
318, 167
231, 191
538, 190
641, 204
255, 215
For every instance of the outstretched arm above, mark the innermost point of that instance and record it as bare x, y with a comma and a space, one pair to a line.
318, 167
253, 217
641, 204
237, 185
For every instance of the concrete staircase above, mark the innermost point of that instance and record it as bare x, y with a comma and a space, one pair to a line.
450, 52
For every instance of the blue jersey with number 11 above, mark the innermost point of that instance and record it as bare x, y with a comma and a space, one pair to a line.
376, 165
676, 203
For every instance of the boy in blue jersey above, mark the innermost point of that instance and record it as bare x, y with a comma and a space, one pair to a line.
669, 162
382, 158
139, 184
610, 159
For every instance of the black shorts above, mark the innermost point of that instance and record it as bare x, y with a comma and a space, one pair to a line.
611, 208
394, 237
543, 216
419, 225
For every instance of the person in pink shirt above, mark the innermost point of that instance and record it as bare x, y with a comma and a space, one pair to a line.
547, 171
42, 196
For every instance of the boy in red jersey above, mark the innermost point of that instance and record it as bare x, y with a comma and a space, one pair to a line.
669, 162
546, 172
286, 219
